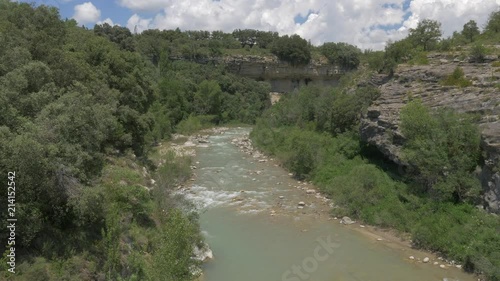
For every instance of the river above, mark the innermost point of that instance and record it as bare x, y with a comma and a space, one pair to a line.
250, 216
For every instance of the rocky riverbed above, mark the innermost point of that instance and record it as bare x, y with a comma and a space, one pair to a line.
249, 186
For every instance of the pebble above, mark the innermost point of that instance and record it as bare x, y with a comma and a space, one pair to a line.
426, 259
380, 239
361, 225
282, 197
301, 203
412, 257
442, 266
300, 207
458, 266
435, 263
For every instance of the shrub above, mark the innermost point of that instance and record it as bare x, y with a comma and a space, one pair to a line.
457, 78
419, 59
477, 53
442, 149
194, 123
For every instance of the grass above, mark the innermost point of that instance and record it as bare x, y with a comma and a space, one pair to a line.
419, 59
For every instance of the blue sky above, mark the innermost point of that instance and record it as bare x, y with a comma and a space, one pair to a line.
366, 23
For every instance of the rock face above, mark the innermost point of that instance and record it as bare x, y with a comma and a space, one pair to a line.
282, 76
380, 125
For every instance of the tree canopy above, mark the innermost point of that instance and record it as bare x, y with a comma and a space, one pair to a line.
470, 30
293, 49
343, 54
426, 33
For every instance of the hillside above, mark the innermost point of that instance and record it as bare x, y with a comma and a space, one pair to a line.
380, 126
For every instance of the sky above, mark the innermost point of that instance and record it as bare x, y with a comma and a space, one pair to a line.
369, 24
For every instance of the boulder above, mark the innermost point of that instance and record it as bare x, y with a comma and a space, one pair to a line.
203, 254
347, 220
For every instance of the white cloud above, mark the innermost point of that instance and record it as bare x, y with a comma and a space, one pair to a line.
366, 23
86, 13
147, 5
137, 24
108, 21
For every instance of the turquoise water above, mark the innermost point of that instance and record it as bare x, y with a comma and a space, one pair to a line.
256, 235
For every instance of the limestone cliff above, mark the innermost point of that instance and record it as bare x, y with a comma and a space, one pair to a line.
380, 126
283, 77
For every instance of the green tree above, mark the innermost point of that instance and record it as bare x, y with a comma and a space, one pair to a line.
442, 149
343, 54
117, 34
265, 39
208, 98
172, 259
426, 34
493, 24
293, 49
470, 30
247, 37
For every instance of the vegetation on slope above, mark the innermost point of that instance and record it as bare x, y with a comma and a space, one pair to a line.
434, 201
81, 111
426, 37
315, 134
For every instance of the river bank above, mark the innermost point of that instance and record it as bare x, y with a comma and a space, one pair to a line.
265, 192
389, 237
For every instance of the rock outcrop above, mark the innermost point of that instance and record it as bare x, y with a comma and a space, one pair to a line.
282, 76
380, 125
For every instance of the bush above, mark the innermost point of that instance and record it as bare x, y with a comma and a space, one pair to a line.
477, 53
194, 123
419, 59
442, 150
457, 78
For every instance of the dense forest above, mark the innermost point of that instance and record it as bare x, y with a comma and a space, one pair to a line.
82, 111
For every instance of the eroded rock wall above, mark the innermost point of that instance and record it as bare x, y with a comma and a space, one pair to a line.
380, 126
282, 76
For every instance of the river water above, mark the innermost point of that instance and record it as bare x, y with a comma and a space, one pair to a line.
251, 220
